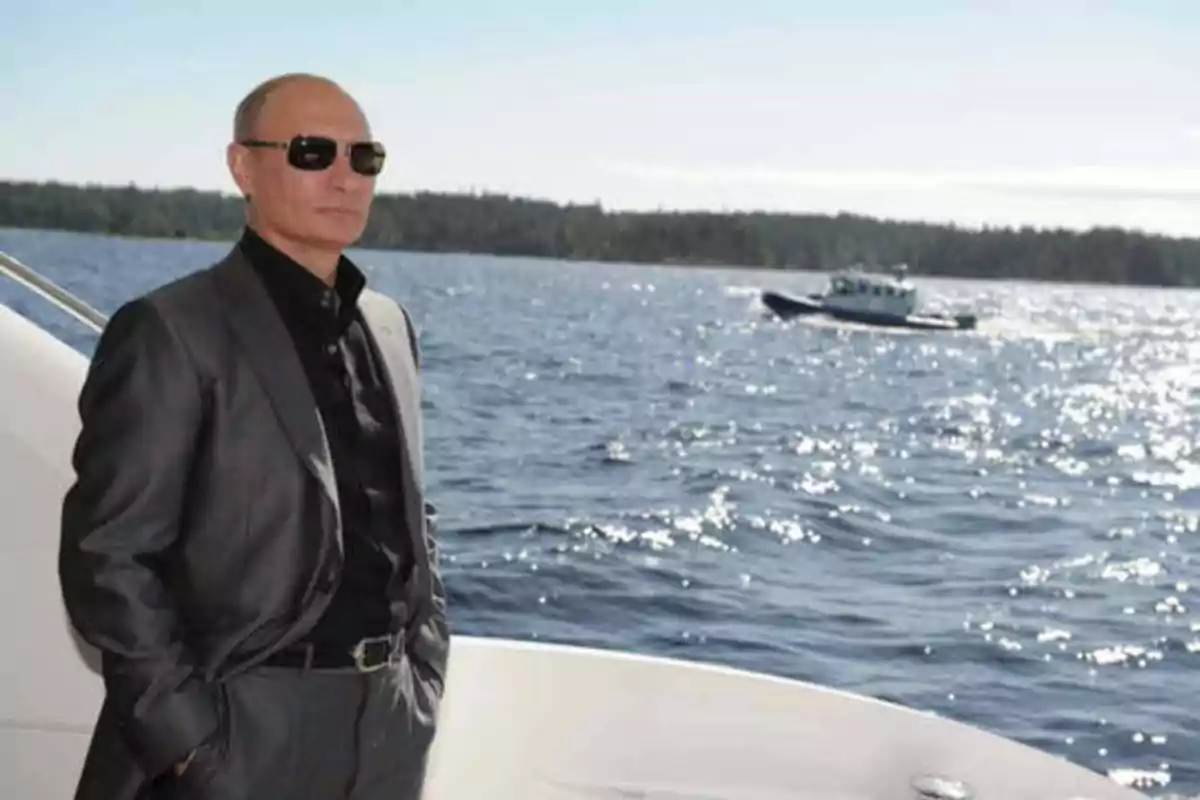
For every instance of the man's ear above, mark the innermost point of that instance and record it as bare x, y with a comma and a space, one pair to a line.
237, 158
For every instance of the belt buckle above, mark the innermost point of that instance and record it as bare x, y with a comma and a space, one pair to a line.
360, 653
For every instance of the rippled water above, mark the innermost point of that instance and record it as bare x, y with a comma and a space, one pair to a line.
1002, 526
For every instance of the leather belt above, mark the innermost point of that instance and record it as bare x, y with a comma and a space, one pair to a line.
367, 655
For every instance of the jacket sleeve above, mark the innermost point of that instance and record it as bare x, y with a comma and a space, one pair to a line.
141, 409
431, 642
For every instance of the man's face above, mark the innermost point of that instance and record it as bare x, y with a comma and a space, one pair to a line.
325, 208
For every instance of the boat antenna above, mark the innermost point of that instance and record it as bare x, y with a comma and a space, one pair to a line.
40, 285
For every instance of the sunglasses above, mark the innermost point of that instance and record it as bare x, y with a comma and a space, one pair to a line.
315, 153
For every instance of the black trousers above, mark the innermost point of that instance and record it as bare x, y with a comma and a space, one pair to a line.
311, 734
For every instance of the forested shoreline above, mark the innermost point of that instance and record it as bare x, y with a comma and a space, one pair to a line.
505, 225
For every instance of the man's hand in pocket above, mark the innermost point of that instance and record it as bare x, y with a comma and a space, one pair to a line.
180, 766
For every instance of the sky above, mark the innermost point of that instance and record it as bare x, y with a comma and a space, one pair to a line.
1053, 113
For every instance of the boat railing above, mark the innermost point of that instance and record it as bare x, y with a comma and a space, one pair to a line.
44, 287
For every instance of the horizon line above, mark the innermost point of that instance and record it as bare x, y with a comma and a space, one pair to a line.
474, 192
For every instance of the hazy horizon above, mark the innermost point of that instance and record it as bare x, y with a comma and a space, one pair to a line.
1002, 114
610, 209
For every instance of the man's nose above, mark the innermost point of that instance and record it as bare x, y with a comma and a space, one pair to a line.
341, 175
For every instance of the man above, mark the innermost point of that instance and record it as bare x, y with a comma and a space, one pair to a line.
246, 541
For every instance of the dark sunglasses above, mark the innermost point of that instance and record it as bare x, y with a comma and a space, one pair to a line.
315, 153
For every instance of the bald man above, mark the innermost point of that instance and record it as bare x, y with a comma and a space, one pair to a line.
246, 540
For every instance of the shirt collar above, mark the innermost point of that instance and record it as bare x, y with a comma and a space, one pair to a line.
288, 279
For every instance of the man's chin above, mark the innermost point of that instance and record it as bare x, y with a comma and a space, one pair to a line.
338, 231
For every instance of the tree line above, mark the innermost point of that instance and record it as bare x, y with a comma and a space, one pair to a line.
504, 225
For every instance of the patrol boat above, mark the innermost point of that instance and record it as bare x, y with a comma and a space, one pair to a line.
872, 299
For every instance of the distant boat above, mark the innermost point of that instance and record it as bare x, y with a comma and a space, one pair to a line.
872, 299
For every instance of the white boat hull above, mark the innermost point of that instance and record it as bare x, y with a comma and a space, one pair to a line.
519, 720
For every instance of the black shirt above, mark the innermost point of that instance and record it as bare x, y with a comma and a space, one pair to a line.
347, 380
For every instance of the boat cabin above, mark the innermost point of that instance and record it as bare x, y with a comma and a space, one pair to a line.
853, 290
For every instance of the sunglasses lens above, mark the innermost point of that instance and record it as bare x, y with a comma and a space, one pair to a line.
366, 158
312, 152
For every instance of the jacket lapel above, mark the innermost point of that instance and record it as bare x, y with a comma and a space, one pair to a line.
269, 349
389, 331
